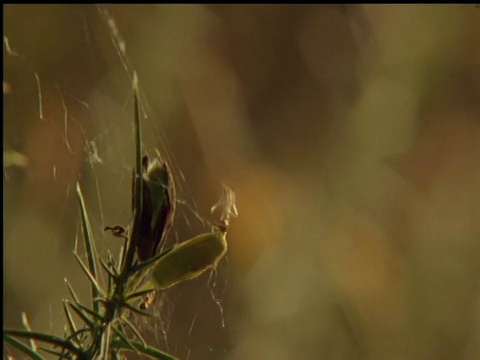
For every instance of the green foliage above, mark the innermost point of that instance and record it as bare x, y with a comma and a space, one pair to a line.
106, 331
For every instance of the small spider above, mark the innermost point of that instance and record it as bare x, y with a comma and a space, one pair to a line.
117, 231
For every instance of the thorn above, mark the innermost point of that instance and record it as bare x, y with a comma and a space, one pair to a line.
135, 82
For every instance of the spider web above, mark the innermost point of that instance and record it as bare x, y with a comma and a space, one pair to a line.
98, 127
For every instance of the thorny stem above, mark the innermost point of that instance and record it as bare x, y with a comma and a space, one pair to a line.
101, 326
114, 305
132, 244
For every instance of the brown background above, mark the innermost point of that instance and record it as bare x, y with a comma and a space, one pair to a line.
351, 136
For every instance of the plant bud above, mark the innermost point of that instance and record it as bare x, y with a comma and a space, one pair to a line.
190, 259
158, 208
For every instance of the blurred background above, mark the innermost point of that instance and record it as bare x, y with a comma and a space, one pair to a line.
350, 134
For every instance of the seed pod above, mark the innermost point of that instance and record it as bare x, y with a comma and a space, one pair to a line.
158, 208
190, 259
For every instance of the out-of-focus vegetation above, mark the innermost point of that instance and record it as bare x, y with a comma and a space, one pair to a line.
351, 136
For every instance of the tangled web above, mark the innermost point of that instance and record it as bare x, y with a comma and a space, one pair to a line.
80, 109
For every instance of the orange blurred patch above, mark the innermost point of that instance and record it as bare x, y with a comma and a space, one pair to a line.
447, 149
52, 166
367, 271
7, 88
260, 193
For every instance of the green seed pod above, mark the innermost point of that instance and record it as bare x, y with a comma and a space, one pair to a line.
190, 259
